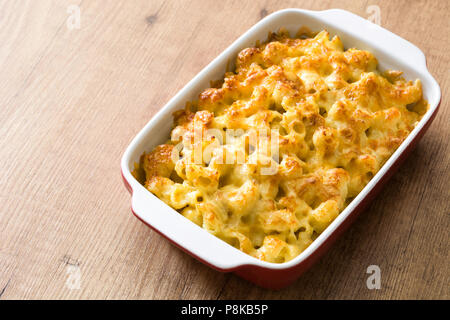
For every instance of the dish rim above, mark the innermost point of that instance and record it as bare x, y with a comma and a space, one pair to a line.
238, 258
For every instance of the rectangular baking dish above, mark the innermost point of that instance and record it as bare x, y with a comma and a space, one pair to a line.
391, 51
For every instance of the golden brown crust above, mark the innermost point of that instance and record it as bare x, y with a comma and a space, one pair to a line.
337, 120
159, 161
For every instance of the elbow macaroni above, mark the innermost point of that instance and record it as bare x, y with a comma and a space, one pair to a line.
336, 119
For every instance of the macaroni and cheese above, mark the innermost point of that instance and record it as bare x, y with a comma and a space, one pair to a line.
267, 158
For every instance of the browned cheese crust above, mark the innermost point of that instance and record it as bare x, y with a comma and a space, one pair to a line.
338, 120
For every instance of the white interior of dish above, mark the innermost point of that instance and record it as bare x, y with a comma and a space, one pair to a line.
391, 51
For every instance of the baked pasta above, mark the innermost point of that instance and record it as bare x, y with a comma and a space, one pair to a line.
268, 157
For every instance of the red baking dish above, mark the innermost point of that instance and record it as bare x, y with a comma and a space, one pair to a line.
391, 51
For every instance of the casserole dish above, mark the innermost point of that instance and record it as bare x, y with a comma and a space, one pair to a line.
391, 51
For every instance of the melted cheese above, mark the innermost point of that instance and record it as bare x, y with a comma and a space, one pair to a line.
337, 118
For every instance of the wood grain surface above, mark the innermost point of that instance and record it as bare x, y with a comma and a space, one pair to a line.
71, 100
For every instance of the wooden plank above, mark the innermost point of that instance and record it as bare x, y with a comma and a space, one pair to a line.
73, 99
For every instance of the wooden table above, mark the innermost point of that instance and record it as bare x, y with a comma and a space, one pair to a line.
73, 98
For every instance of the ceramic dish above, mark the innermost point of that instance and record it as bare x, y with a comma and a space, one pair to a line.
391, 51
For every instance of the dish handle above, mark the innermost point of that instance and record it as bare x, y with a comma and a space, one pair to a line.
185, 234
